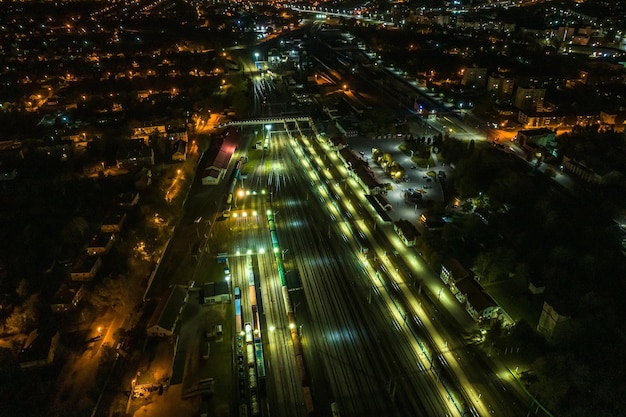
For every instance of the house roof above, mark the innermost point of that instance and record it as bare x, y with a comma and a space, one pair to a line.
367, 177
85, 264
384, 203
475, 294
381, 212
408, 230
114, 217
211, 289
36, 346
212, 172
180, 146
456, 269
480, 300
338, 140
221, 159
126, 199
168, 309
101, 239
222, 148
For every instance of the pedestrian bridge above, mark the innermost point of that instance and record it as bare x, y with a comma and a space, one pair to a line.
267, 121
283, 120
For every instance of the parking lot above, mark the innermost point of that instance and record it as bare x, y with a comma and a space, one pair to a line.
423, 181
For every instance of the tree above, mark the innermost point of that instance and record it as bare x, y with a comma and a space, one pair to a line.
24, 318
74, 233
117, 293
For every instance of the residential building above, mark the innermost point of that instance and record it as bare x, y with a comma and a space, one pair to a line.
537, 140
473, 77
101, 243
86, 268
180, 151
536, 119
536, 287
67, 297
39, 349
596, 175
126, 200
500, 85
529, 98
113, 222
153, 130
175, 134
134, 153
552, 321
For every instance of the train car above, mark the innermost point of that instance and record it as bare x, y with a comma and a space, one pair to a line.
274, 239
256, 330
255, 410
249, 271
302, 370
260, 362
252, 296
308, 401
297, 346
237, 316
251, 356
286, 299
252, 379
